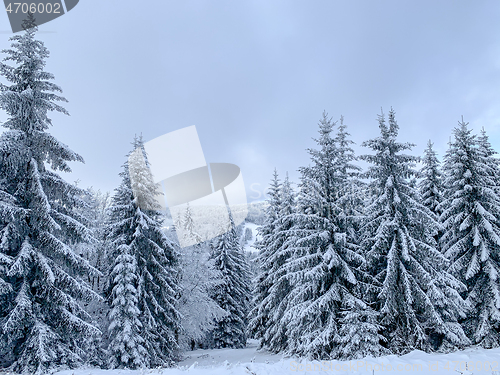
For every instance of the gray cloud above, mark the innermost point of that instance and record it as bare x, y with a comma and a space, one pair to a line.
254, 77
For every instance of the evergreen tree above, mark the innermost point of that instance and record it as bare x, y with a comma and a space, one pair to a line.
488, 153
42, 322
350, 187
431, 186
126, 346
471, 239
417, 297
322, 267
275, 337
360, 333
188, 224
258, 325
272, 259
136, 223
233, 293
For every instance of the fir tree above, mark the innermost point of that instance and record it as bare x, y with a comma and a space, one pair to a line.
126, 346
431, 186
360, 333
350, 190
258, 324
417, 297
322, 267
471, 239
232, 294
42, 322
188, 224
488, 153
136, 223
272, 259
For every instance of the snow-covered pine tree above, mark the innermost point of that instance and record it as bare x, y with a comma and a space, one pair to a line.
360, 333
188, 224
350, 197
42, 322
233, 293
275, 336
471, 239
198, 277
322, 270
258, 325
417, 297
126, 347
136, 223
431, 185
488, 153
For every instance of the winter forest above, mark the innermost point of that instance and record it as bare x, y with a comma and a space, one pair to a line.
348, 263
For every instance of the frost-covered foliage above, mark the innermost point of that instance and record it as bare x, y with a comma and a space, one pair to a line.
417, 296
126, 348
258, 325
488, 153
95, 213
351, 189
198, 277
322, 261
360, 333
42, 322
268, 312
431, 185
156, 264
471, 240
232, 293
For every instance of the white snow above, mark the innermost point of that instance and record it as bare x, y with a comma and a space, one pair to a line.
250, 361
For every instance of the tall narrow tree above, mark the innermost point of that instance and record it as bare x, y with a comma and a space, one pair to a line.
42, 322
431, 185
127, 345
136, 223
322, 268
259, 315
274, 286
472, 234
417, 296
350, 187
233, 293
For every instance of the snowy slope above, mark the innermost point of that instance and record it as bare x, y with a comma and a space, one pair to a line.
250, 361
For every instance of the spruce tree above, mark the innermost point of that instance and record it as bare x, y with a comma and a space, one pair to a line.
472, 234
431, 185
233, 293
272, 261
136, 223
323, 263
258, 324
360, 333
350, 187
417, 297
42, 322
126, 347
488, 153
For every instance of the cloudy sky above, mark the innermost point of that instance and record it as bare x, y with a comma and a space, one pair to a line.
255, 76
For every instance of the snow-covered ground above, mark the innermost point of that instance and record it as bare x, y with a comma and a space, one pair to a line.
249, 245
250, 361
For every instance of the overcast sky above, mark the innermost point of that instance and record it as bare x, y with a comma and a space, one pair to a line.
255, 76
